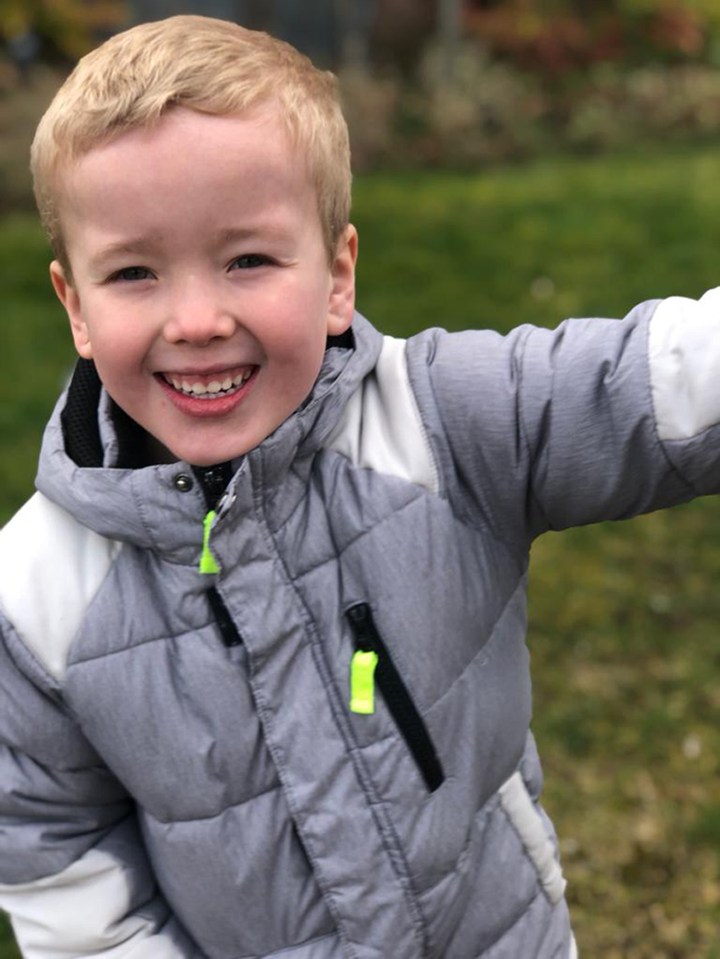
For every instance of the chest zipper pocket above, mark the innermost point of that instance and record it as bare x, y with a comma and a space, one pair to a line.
371, 667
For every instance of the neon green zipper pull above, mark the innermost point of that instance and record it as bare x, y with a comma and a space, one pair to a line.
362, 682
208, 563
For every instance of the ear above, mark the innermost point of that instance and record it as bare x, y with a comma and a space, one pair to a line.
68, 296
342, 295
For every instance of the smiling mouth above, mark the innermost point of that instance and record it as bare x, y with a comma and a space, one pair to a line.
208, 387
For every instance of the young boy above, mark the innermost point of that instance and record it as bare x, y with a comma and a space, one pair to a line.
264, 679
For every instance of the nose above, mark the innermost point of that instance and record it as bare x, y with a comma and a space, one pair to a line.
197, 315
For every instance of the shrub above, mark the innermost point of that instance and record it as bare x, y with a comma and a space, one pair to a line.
489, 111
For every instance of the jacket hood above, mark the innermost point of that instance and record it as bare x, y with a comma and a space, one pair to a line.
87, 460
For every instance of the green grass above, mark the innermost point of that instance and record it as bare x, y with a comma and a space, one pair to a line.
624, 618
7, 946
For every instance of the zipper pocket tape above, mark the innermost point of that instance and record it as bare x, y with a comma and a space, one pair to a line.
228, 629
372, 666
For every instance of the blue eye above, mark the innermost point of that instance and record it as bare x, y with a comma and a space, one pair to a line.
249, 261
132, 274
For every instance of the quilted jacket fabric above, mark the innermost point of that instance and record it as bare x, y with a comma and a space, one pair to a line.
181, 774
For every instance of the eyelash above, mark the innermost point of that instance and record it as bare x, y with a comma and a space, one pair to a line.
135, 274
122, 275
249, 261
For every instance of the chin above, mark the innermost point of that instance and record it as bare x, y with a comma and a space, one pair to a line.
204, 457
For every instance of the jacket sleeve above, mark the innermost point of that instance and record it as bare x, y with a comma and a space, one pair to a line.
74, 876
597, 419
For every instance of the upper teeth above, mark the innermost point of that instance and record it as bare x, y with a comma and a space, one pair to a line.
195, 388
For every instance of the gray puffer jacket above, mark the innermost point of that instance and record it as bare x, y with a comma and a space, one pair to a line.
182, 770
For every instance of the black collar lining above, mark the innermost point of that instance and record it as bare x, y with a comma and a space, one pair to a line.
79, 418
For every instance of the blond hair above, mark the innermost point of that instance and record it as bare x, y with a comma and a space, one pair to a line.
211, 66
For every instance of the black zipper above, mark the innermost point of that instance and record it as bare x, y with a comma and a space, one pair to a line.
213, 481
397, 698
228, 629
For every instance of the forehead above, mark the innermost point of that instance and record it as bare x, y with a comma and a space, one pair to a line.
188, 160
261, 132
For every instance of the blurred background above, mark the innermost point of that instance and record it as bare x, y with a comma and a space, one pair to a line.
516, 161
426, 82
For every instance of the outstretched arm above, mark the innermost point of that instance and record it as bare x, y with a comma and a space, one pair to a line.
597, 419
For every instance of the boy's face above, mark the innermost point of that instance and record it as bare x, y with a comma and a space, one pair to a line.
201, 285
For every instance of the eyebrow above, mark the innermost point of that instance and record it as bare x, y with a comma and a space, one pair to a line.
231, 233
132, 246
238, 234
140, 245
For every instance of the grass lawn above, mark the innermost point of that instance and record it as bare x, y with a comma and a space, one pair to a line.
624, 618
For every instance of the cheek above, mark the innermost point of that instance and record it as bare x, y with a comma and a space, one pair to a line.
117, 353
295, 332
115, 330
297, 362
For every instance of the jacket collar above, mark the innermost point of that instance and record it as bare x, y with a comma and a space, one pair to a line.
88, 462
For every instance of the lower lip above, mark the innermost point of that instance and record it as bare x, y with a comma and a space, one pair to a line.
204, 407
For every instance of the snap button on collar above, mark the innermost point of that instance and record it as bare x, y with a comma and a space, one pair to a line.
183, 483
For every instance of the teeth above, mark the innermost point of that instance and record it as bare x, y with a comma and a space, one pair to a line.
229, 384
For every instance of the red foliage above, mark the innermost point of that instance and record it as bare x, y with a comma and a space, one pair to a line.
677, 31
559, 41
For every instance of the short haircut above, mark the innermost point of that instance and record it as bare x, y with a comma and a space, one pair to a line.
207, 65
